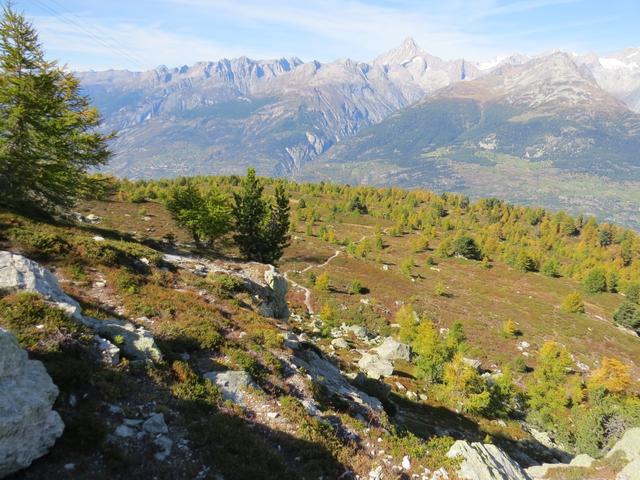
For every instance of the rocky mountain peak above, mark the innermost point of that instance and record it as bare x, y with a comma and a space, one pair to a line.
403, 54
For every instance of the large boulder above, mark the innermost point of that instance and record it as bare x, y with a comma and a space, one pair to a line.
19, 274
391, 349
540, 471
485, 462
233, 384
324, 372
374, 366
276, 295
629, 444
28, 425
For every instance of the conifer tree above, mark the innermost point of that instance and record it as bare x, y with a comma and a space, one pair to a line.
249, 212
48, 137
277, 232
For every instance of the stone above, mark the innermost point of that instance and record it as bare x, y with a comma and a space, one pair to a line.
358, 330
485, 462
276, 304
19, 274
406, 462
629, 444
376, 473
630, 472
273, 415
472, 362
28, 424
582, 460
374, 366
109, 353
339, 343
137, 342
233, 384
393, 350
324, 372
165, 444
92, 218
291, 340
155, 424
124, 431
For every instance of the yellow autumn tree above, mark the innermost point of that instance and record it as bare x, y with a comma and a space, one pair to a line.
613, 375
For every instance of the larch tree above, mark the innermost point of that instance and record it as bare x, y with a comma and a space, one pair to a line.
48, 136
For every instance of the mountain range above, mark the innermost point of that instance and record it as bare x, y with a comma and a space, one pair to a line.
559, 129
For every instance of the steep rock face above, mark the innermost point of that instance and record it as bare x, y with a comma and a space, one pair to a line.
485, 462
28, 425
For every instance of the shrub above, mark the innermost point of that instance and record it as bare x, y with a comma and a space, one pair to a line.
191, 387
323, 282
628, 315
466, 247
225, 285
633, 292
39, 244
525, 263
595, 281
23, 313
510, 329
439, 289
572, 303
551, 268
356, 288
406, 267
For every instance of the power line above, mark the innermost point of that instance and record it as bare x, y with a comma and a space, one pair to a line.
95, 36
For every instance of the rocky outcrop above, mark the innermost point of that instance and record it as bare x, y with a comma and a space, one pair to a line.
485, 462
393, 350
233, 384
541, 471
275, 304
374, 366
19, 274
324, 372
629, 444
28, 425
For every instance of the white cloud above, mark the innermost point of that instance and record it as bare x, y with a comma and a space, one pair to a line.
125, 45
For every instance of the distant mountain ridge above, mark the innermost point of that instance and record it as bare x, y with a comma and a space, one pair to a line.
405, 118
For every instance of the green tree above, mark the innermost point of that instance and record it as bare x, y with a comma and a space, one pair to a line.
525, 263
249, 211
633, 292
595, 281
277, 231
48, 137
547, 393
551, 268
628, 315
204, 217
466, 247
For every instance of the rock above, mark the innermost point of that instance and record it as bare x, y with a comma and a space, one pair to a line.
582, 460
109, 353
340, 343
92, 218
358, 330
376, 473
276, 304
28, 425
98, 238
18, 273
393, 350
630, 472
485, 462
324, 372
406, 462
137, 342
124, 431
540, 471
291, 340
69, 466
374, 366
232, 383
472, 362
165, 444
273, 415
629, 444
155, 424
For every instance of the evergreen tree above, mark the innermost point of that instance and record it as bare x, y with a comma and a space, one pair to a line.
595, 281
277, 234
48, 137
249, 212
628, 315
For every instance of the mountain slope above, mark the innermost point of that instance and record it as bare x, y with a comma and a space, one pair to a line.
541, 121
277, 114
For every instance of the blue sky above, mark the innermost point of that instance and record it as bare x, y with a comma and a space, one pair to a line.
142, 34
